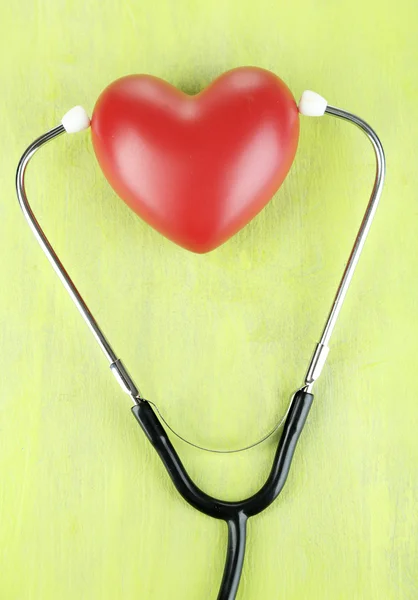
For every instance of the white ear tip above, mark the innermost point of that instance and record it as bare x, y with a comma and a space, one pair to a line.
75, 120
312, 104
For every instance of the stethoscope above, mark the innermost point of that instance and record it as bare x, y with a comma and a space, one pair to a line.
235, 514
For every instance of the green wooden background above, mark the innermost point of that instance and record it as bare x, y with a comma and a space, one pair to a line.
218, 341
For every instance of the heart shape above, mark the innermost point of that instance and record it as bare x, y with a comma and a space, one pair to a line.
196, 168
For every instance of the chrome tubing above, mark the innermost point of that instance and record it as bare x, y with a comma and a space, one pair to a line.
322, 348
116, 365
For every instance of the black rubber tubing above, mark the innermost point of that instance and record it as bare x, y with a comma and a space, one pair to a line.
235, 514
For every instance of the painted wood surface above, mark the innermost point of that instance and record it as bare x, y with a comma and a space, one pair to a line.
217, 341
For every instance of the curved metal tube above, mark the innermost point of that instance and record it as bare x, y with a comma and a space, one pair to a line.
365, 224
116, 365
48, 249
321, 351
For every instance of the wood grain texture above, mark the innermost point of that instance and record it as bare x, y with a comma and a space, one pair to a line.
217, 341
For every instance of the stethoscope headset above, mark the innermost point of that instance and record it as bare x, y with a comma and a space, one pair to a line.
235, 514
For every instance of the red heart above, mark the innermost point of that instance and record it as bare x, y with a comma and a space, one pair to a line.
197, 168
